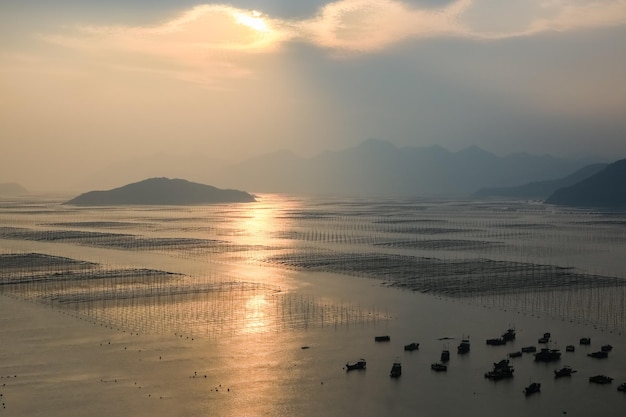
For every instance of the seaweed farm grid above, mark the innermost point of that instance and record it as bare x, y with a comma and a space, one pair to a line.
524, 256
153, 301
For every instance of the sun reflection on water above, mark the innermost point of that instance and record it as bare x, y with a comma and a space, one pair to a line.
256, 314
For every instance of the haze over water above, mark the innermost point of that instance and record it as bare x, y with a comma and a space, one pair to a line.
208, 308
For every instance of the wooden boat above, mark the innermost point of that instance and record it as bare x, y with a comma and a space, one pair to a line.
360, 364
496, 341
412, 346
600, 379
565, 371
439, 367
547, 355
464, 346
396, 370
532, 388
509, 335
501, 370
501, 373
504, 363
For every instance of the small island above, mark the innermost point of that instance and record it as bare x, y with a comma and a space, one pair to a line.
162, 191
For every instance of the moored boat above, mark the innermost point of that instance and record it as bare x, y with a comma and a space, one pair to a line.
565, 371
599, 354
622, 387
496, 341
570, 348
529, 349
501, 373
500, 370
515, 354
464, 346
532, 388
585, 341
606, 348
547, 355
360, 364
445, 355
600, 379
439, 367
412, 346
509, 335
504, 363
396, 370
382, 338
545, 338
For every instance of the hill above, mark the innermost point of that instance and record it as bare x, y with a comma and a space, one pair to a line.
606, 189
540, 190
161, 191
12, 189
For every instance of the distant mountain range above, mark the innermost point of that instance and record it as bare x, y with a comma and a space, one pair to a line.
605, 189
12, 189
161, 191
540, 190
374, 167
377, 167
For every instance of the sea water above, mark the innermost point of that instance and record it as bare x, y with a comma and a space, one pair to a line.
276, 296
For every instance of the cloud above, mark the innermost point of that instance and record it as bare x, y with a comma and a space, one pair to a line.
209, 43
203, 44
371, 25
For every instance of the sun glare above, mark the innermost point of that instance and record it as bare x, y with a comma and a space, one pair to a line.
252, 20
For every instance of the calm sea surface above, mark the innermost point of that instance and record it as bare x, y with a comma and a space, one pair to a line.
276, 296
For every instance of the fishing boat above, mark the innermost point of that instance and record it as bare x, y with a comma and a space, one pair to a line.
396, 369
464, 346
412, 346
360, 364
501, 373
599, 354
439, 367
532, 388
445, 355
547, 355
504, 363
515, 354
501, 370
509, 335
529, 349
564, 371
622, 387
545, 338
600, 379
606, 348
496, 341
570, 348
585, 341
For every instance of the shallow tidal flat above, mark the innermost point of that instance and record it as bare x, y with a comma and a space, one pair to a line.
253, 310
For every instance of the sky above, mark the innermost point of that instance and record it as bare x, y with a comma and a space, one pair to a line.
86, 83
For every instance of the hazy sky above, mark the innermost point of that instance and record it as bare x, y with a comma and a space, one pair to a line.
87, 82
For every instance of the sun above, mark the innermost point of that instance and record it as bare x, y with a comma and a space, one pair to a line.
253, 20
